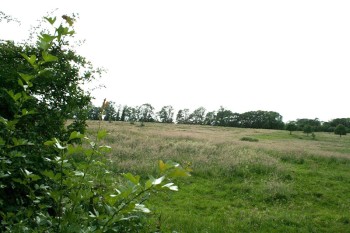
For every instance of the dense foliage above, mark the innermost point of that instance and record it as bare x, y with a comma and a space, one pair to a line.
53, 178
340, 130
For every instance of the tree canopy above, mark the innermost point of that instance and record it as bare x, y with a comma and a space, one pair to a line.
340, 130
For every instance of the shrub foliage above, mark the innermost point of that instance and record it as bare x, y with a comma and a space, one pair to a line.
53, 178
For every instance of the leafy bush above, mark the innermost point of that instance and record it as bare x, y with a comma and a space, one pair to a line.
64, 184
249, 139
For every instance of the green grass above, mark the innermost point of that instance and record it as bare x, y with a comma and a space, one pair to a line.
282, 183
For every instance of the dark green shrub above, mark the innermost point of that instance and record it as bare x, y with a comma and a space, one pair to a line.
249, 139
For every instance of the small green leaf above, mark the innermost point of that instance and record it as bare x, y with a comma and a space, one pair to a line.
20, 82
49, 174
34, 177
48, 57
166, 166
11, 124
47, 38
25, 112
14, 96
50, 20
44, 71
21, 142
31, 59
75, 135
3, 120
148, 183
134, 179
49, 143
178, 172
43, 44
17, 154
26, 77
128, 208
2, 142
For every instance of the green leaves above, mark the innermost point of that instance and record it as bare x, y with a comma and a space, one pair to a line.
56, 144
26, 78
133, 179
51, 175
3, 120
63, 31
21, 142
2, 142
48, 57
14, 96
31, 60
50, 20
76, 135
173, 169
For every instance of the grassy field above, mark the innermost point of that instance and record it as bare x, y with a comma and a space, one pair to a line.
278, 183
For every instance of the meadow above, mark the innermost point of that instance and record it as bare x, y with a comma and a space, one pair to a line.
276, 182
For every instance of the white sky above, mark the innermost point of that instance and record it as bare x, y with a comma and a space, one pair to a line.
292, 57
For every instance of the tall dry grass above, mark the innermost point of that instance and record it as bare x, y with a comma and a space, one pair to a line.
137, 148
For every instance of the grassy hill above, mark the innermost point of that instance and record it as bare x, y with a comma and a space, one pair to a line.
275, 183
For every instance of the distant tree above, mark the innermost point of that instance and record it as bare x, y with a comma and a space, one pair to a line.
166, 114
133, 114
197, 116
291, 126
224, 117
314, 123
262, 120
307, 129
182, 116
342, 121
93, 112
327, 127
117, 117
210, 118
125, 113
110, 112
146, 113
340, 129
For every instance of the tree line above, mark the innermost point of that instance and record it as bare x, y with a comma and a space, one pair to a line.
221, 117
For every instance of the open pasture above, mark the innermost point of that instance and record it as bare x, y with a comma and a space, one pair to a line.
277, 183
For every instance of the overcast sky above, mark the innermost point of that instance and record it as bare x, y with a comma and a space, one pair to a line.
292, 57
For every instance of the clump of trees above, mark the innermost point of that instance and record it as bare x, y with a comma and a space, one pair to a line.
340, 130
291, 126
222, 117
